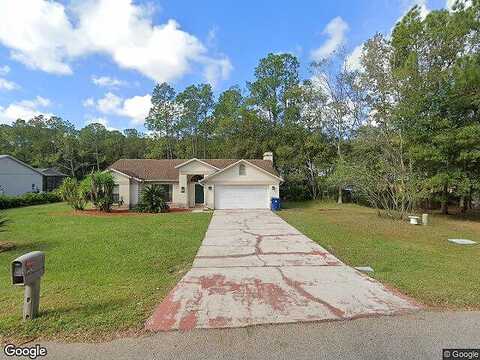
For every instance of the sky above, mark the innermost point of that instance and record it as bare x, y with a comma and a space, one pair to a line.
98, 60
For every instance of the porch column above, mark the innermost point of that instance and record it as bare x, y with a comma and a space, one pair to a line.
183, 190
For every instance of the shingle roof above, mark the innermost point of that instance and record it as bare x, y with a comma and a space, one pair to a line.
152, 169
51, 172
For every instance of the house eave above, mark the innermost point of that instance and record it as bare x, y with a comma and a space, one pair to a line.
195, 159
207, 178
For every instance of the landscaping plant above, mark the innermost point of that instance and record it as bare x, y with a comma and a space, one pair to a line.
73, 193
101, 190
152, 200
28, 199
3, 222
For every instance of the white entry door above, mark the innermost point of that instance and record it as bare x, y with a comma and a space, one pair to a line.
241, 197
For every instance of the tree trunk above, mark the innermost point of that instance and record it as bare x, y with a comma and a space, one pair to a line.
339, 154
463, 204
444, 207
340, 197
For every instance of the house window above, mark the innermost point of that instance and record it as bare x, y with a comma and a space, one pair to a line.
116, 194
167, 190
242, 170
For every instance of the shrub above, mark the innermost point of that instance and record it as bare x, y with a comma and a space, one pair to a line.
3, 222
101, 190
152, 200
73, 193
8, 202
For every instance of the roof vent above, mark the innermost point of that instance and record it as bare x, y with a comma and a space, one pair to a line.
268, 156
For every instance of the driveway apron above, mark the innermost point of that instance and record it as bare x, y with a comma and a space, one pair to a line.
254, 268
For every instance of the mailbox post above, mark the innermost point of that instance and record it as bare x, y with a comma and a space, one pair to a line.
27, 271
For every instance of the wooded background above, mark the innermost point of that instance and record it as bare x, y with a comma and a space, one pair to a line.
402, 131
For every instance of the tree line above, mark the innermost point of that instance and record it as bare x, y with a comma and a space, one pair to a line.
400, 132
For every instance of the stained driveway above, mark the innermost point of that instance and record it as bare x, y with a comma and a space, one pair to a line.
254, 268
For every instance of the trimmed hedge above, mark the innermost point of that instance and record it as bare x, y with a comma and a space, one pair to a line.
8, 202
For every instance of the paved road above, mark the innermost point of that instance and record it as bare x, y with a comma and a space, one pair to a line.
416, 336
254, 268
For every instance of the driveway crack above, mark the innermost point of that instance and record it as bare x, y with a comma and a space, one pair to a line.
296, 285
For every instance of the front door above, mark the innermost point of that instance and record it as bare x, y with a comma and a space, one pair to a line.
199, 194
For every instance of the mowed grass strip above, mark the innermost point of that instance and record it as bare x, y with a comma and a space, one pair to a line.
104, 274
418, 260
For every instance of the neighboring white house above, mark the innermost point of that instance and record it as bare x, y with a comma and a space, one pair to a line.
211, 183
17, 178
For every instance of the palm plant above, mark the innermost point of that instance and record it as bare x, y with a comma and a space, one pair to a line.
72, 193
152, 200
101, 194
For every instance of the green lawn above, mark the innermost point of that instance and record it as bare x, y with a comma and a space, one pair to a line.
104, 275
417, 260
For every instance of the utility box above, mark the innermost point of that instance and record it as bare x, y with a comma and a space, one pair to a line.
27, 271
28, 268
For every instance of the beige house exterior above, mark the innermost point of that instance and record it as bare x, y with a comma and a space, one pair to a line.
208, 183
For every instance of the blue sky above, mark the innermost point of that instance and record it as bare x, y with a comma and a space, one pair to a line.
97, 61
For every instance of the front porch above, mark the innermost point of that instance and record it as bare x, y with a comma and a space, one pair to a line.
191, 191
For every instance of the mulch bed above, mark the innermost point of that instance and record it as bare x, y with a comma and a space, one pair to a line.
121, 212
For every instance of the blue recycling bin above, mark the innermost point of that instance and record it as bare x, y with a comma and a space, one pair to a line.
275, 206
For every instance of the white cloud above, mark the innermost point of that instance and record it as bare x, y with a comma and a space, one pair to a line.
216, 70
89, 102
7, 85
424, 10
422, 4
354, 59
212, 36
4, 83
25, 109
41, 35
449, 3
335, 30
107, 81
135, 108
109, 104
100, 120
36, 31
4, 70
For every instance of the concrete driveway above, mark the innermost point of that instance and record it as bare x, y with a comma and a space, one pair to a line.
254, 268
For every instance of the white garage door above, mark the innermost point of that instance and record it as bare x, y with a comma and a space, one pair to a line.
241, 197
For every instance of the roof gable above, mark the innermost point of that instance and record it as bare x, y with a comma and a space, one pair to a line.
168, 169
20, 163
197, 160
242, 161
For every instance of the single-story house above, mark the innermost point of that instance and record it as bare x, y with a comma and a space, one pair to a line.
210, 183
17, 177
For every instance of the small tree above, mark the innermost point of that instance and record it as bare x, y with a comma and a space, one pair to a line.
101, 190
73, 193
152, 200
380, 173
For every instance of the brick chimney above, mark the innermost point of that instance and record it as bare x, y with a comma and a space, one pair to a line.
268, 156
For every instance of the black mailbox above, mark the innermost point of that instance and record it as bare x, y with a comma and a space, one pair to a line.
28, 268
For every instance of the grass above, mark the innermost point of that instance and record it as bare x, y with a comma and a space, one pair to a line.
104, 275
417, 260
